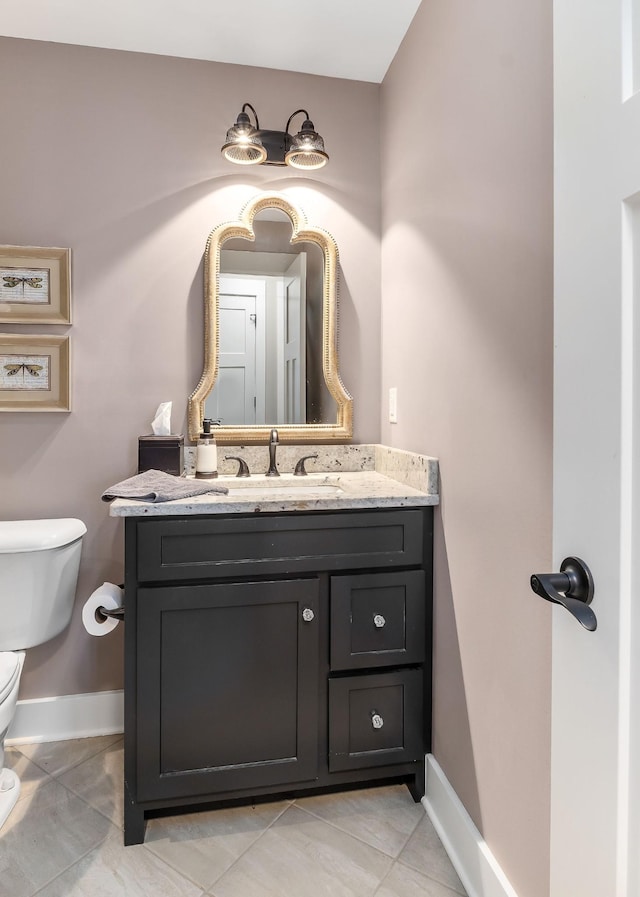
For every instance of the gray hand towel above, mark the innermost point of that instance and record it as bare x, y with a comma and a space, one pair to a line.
157, 486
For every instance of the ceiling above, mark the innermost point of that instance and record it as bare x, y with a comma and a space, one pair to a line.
355, 39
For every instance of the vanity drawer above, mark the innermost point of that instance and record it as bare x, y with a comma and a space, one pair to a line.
375, 720
378, 620
192, 548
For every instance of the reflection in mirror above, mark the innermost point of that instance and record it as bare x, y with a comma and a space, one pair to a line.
270, 330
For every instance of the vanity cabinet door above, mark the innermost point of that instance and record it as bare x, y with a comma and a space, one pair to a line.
227, 687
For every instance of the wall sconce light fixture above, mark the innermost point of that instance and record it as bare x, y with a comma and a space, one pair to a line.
248, 144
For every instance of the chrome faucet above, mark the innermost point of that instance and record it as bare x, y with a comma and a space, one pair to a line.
273, 444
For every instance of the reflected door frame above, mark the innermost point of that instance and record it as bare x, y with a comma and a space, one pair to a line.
291, 343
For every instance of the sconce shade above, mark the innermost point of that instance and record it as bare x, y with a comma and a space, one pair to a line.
243, 145
307, 148
247, 144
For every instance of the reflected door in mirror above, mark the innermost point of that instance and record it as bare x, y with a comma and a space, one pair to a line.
262, 347
239, 393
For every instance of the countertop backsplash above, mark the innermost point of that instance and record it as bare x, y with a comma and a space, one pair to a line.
331, 458
409, 468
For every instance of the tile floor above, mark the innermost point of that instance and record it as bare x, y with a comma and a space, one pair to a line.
64, 839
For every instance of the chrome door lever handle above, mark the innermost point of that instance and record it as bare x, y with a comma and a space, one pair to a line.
572, 588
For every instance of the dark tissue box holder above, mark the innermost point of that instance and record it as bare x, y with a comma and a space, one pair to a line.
164, 453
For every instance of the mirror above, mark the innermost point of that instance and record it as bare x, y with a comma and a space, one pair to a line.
270, 340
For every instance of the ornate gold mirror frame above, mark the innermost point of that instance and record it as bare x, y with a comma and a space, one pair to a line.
310, 432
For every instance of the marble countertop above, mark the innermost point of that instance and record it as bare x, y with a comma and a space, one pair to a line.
400, 480
316, 492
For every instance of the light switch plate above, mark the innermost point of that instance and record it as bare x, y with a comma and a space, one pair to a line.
393, 405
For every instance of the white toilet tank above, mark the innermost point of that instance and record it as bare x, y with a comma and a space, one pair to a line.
39, 561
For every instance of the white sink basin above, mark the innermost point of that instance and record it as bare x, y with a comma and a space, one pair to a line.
291, 494
283, 487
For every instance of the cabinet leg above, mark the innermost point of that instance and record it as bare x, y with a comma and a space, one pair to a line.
134, 821
416, 784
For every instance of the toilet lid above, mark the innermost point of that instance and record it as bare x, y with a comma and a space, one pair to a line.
9, 672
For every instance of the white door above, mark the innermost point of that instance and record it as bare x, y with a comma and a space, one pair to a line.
238, 397
595, 798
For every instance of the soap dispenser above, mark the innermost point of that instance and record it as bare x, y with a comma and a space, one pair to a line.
207, 452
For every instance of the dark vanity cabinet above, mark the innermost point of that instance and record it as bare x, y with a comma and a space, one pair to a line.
274, 653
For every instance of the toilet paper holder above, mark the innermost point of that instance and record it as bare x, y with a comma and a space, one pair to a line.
116, 613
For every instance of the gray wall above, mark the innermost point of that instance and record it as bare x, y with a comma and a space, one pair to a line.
467, 340
117, 155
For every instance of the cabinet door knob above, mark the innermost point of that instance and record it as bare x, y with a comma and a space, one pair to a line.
308, 615
376, 720
379, 621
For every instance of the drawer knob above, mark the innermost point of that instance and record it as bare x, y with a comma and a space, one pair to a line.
379, 621
376, 720
307, 615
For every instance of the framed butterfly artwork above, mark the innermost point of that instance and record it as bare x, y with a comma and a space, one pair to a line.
34, 373
35, 285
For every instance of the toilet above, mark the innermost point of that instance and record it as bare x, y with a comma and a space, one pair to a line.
39, 561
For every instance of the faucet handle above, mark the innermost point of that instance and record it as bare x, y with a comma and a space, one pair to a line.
300, 470
243, 467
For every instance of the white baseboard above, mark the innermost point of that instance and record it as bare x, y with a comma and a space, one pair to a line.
67, 716
476, 866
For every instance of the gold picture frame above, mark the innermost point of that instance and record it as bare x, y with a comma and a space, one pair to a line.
34, 373
35, 285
